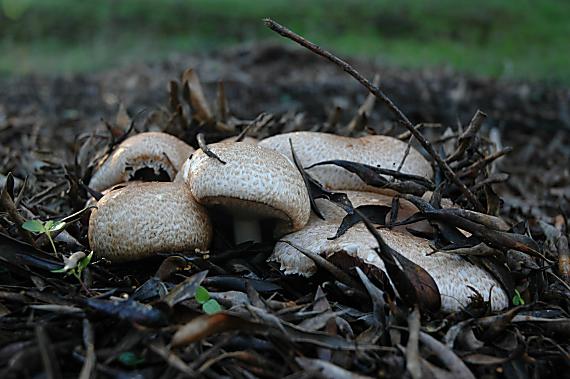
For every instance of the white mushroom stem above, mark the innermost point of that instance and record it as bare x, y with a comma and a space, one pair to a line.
246, 229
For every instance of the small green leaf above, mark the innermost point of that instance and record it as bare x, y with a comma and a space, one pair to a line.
34, 226
517, 299
202, 295
48, 225
84, 262
56, 225
128, 358
59, 270
211, 306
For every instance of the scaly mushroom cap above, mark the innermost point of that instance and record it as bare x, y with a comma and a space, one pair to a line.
451, 273
143, 219
184, 169
375, 150
255, 182
159, 152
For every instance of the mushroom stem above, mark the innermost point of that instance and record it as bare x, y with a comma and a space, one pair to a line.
246, 229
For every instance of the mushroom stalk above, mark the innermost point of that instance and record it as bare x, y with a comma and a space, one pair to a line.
246, 229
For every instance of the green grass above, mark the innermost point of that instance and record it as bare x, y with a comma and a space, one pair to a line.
500, 38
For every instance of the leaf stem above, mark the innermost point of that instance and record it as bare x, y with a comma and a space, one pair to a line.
48, 233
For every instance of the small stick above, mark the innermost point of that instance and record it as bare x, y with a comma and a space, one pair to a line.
206, 149
450, 175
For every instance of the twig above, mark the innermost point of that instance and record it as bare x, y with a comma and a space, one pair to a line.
467, 136
90, 358
448, 172
206, 149
51, 366
413, 364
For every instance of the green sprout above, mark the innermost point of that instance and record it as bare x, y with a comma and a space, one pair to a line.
209, 305
517, 299
39, 227
75, 264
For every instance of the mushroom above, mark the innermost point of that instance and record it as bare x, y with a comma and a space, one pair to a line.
143, 219
148, 156
376, 150
254, 183
452, 274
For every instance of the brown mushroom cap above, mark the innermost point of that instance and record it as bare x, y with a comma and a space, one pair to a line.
375, 150
143, 219
255, 182
452, 274
159, 152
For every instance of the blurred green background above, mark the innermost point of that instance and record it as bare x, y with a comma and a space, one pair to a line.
520, 39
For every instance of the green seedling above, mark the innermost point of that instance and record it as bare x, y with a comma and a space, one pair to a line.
209, 305
517, 299
74, 265
48, 227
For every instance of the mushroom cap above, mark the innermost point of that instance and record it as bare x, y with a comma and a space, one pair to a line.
255, 182
143, 219
152, 150
184, 169
451, 273
375, 150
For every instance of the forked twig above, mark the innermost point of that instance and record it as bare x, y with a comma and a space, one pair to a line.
376, 91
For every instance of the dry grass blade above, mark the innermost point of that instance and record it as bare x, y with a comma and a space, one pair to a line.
327, 370
446, 356
49, 359
413, 364
358, 123
196, 97
90, 363
204, 326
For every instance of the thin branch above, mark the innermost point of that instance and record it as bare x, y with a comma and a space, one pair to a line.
449, 174
206, 149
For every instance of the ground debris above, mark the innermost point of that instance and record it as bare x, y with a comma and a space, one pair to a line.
145, 319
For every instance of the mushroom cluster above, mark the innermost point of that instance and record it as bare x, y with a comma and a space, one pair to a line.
138, 219
255, 181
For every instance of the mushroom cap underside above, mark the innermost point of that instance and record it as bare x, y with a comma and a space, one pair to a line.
152, 154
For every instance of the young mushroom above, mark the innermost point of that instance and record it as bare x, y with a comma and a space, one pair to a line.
143, 219
375, 150
150, 156
453, 275
253, 184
